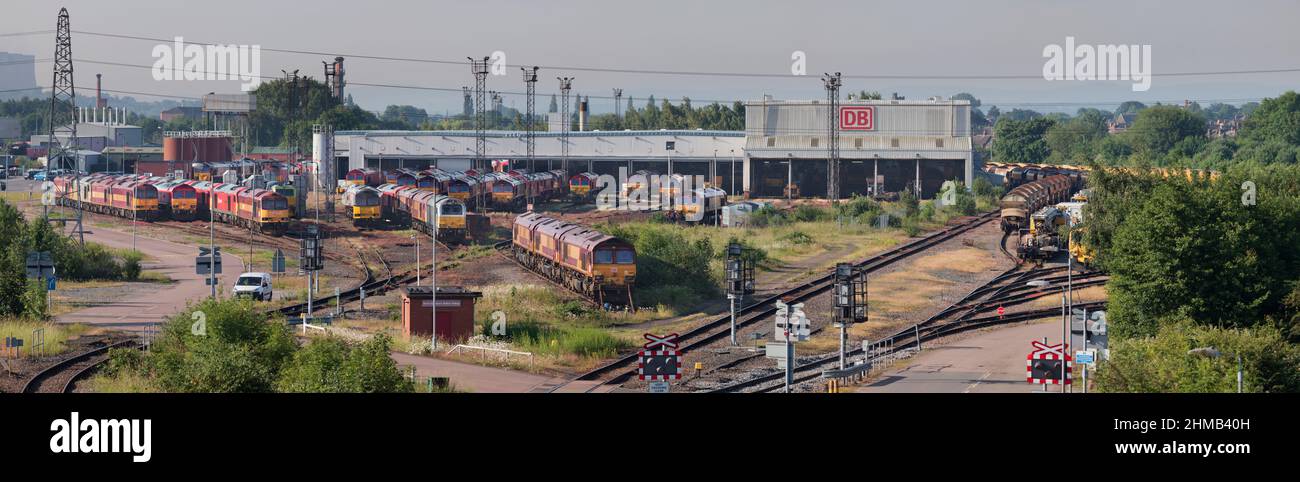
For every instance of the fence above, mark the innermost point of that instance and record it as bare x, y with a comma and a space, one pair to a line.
485, 350
875, 357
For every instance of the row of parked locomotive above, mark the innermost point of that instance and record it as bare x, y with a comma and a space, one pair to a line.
507, 190
144, 197
648, 191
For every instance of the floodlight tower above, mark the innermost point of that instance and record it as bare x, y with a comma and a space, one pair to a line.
566, 84
530, 81
480, 70
833, 84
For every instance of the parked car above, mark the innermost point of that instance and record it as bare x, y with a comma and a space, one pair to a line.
254, 285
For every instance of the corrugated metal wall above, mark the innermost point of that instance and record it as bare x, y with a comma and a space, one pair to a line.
904, 118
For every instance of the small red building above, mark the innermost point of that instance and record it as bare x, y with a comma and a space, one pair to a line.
455, 312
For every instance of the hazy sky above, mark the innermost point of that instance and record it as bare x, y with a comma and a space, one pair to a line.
927, 38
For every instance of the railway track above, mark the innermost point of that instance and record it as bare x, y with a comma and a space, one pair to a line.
717, 329
63, 376
1006, 289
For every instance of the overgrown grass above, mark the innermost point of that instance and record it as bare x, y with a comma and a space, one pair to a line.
57, 335
533, 303
553, 340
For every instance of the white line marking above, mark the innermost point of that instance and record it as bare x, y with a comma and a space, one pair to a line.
977, 382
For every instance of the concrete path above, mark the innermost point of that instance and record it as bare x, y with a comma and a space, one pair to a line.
144, 309
476, 378
989, 362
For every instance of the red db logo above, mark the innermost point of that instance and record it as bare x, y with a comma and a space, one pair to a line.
858, 118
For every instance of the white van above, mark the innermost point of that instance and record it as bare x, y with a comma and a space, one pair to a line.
254, 285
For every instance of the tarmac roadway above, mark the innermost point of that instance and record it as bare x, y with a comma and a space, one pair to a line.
988, 362
143, 309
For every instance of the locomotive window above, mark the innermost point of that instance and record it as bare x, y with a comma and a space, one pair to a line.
183, 194
272, 204
450, 209
604, 256
146, 194
625, 257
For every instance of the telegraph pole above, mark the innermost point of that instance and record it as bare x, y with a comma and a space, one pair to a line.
566, 84
530, 81
833, 84
618, 96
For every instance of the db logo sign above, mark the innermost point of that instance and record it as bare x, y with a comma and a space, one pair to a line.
858, 118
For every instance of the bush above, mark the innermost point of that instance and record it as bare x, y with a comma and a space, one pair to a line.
859, 207
809, 213
927, 212
767, 216
798, 237
238, 351
1161, 363
911, 226
331, 365
910, 203
981, 186
131, 265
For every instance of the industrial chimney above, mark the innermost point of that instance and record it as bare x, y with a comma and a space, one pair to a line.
99, 94
582, 115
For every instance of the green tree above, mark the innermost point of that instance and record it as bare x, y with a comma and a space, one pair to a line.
1130, 107
236, 349
1161, 363
1276, 120
1018, 141
1076, 139
1159, 129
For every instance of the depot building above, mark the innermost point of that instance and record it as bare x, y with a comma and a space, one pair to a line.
885, 146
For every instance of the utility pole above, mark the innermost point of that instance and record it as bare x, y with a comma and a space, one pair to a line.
566, 84
618, 97
63, 101
833, 84
530, 139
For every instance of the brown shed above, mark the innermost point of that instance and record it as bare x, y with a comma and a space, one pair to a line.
455, 312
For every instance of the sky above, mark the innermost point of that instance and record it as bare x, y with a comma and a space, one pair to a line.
918, 38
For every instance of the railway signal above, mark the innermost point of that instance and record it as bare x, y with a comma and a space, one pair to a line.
311, 259
850, 302
740, 281
791, 326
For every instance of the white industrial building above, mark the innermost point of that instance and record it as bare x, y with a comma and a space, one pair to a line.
896, 144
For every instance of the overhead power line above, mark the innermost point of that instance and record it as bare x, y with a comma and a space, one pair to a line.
766, 75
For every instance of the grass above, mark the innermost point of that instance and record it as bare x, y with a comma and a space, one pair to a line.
14, 197
149, 276
1091, 293
122, 382
57, 335
536, 303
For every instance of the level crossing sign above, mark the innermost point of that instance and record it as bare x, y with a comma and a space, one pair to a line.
1043, 365
658, 359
